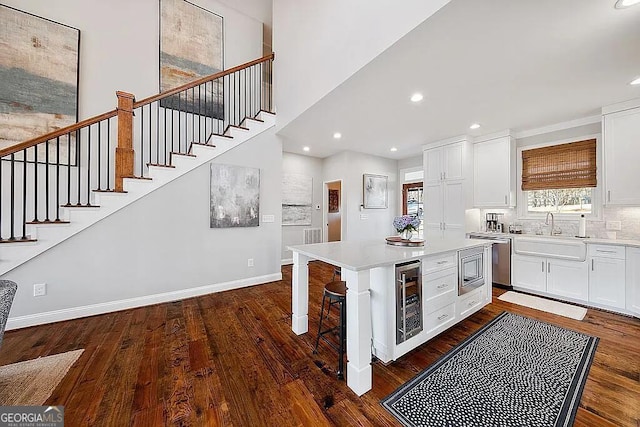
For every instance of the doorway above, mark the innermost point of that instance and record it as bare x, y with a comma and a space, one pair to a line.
333, 211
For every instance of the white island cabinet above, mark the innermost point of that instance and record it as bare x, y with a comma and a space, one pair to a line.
369, 269
633, 281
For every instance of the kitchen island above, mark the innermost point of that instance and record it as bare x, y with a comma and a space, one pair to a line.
366, 266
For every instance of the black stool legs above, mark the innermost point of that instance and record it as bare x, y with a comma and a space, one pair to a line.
336, 292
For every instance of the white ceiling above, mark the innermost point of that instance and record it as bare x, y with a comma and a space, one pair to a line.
506, 64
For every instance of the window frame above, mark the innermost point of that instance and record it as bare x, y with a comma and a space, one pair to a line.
596, 199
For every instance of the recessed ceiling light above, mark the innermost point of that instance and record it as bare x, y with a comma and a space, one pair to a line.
393, 149
475, 126
621, 4
635, 82
306, 148
337, 135
416, 97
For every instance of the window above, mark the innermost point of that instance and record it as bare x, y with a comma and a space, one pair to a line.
560, 178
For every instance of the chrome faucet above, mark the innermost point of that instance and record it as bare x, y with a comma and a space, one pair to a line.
546, 222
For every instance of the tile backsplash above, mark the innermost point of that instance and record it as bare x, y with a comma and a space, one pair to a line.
629, 218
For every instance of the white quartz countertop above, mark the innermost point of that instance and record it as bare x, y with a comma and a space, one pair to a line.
363, 255
588, 240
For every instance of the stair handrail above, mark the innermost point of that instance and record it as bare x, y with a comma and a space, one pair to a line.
92, 120
56, 133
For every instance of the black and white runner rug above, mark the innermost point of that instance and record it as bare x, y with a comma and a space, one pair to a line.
514, 371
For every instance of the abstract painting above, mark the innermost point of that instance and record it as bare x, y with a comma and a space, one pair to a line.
191, 46
296, 199
38, 78
235, 196
374, 191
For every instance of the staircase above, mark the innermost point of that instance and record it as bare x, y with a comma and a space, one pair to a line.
79, 175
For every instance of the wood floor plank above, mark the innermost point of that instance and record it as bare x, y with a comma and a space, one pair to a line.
231, 359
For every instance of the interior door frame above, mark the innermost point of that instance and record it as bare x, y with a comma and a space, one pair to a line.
325, 203
405, 188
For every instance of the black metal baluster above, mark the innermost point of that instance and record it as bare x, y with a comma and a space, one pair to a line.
157, 132
99, 156
193, 121
199, 114
88, 166
24, 194
165, 134
69, 168
58, 189
13, 195
46, 182
35, 182
172, 126
150, 145
142, 141
108, 153
78, 158
206, 95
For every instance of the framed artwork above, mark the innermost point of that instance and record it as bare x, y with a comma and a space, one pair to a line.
374, 191
334, 201
235, 196
191, 46
297, 192
39, 71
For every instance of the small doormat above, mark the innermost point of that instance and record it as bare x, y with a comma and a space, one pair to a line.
544, 304
31, 382
514, 371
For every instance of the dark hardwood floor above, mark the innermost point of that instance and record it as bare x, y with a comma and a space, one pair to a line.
231, 359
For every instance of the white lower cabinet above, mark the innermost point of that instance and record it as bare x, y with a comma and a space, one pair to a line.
568, 279
633, 281
529, 272
607, 275
471, 302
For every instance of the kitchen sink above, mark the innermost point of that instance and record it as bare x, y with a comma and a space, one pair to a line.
551, 247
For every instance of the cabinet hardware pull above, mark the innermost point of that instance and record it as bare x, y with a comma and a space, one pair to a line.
444, 285
543, 266
474, 302
548, 267
404, 306
444, 316
592, 265
444, 225
505, 200
605, 252
444, 175
609, 195
441, 262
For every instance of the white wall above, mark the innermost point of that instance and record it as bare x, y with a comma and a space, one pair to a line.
119, 44
309, 166
350, 166
160, 244
320, 44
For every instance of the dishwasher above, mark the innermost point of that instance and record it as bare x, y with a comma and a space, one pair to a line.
501, 258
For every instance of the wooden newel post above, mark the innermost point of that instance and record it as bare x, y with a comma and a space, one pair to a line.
124, 150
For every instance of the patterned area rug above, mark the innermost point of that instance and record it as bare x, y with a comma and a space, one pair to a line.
31, 382
514, 371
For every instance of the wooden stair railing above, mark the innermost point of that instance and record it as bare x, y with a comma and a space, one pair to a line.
64, 167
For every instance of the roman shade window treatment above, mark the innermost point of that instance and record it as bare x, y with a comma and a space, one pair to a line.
571, 165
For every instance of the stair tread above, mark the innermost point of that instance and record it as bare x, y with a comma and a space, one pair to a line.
18, 240
138, 177
203, 143
254, 119
48, 222
238, 127
183, 154
109, 191
159, 165
220, 135
79, 206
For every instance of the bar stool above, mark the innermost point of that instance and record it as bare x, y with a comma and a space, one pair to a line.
336, 293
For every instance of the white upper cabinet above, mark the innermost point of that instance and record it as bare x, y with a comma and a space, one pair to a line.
621, 134
444, 191
494, 173
444, 163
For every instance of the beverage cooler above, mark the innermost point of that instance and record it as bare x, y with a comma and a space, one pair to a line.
408, 300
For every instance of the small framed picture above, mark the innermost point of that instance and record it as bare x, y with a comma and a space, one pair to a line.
374, 188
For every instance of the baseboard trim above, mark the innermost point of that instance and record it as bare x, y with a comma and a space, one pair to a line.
125, 304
